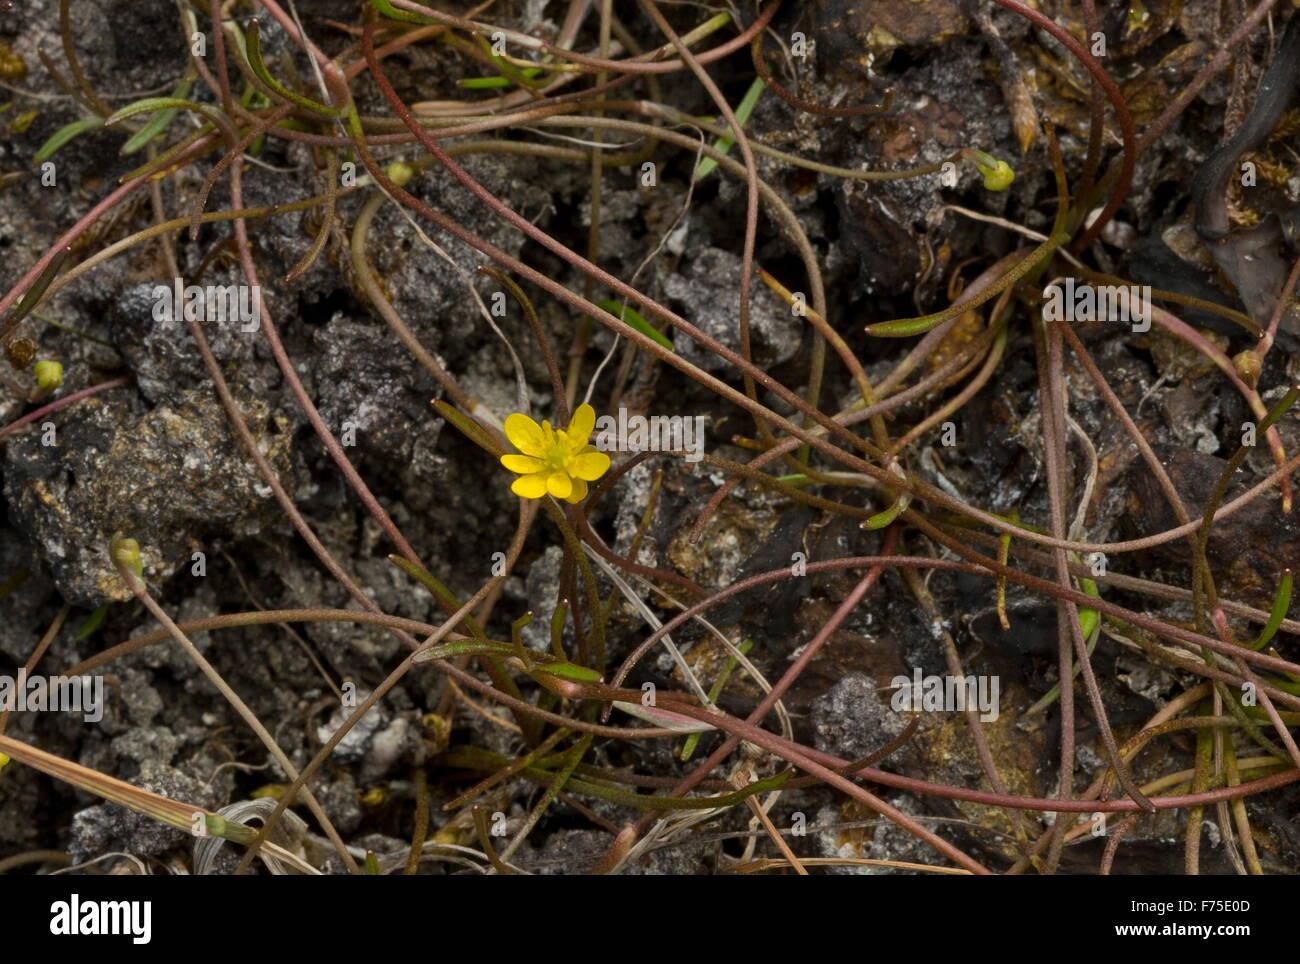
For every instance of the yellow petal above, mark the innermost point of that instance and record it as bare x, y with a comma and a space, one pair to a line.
579, 491
580, 426
589, 466
526, 434
529, 486
523, 464
559, 485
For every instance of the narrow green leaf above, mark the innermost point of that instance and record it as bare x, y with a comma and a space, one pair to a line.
566, 670
34, 293
645, 801
882, 519
254, 45
92, 623
1281, 603
906, 327
664, 718
64, 134
428, 580
462, 647
723, 145
468, 427
485, 83
629, 316
392, 13
150, 104
688, 748
508, 70
900, 503
1089, 626
558, 616
160, 121
1277, 411
1089, 619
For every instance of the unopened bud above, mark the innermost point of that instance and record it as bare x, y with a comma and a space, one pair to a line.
126, 553
400, 173
49, 375
1248, 365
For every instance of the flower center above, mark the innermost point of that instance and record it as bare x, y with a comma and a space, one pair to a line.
555, 448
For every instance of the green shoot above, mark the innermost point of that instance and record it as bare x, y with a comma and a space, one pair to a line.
747, 104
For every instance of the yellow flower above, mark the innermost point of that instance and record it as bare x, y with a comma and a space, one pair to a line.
554, 461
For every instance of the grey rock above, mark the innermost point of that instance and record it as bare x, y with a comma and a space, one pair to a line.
709, 293
109, 826
370, 385
171, 475
543, 583
162, 353
851, 720
356, 743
